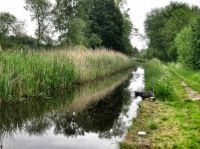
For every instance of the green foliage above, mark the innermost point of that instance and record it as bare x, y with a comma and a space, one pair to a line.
163, 25
63, 11
196, 44
153, 125
188, 45
157, 77
95, 41
21, 42
26, 74
107, 23
12, 34
184, 46
41, 11
76, 34
93, 23
9, 25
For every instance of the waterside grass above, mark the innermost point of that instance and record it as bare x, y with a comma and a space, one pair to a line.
171, 121
157, 77
27, 74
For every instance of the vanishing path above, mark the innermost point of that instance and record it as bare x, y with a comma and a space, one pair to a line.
192, 94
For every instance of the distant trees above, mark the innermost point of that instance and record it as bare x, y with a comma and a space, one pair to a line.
188, 45
41, 11
184, 46
9, 25
12, 32
93, 23
163, 25
107, 23
89, 23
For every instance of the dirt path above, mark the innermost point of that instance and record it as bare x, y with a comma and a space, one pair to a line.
193, 95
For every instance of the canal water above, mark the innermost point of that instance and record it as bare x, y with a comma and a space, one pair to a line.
94, 116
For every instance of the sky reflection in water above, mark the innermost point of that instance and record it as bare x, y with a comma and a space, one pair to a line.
100, 124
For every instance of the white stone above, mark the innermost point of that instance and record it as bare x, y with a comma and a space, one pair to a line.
142, 133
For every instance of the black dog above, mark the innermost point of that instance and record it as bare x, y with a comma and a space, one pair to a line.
145, 94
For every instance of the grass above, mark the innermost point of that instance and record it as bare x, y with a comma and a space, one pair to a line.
172, 122
27, 74
191, 77
158, 78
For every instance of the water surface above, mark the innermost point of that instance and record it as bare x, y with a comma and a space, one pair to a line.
95, 116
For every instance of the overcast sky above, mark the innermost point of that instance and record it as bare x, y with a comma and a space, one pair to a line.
138, 10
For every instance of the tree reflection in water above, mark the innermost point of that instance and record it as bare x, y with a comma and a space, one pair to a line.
92, 108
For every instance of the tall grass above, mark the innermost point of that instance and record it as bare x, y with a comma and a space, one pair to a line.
157, 77
24, 74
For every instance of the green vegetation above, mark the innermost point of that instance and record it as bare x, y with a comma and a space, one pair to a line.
184, 46
158, 78
191, 77
162, 26
173, 120
69, 23
25, 74
172, 123
40, 11
188, 44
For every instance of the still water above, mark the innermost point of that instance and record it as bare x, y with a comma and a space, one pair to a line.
95, 116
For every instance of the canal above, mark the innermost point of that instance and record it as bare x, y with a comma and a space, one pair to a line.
94, 116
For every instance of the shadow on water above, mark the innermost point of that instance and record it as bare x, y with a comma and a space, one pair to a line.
96, 115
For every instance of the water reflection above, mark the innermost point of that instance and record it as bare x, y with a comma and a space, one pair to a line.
93, 116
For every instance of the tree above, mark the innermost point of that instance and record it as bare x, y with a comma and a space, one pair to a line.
76, 34
41, 12
63, 12
9, 25
93, 23
107, 23
188, 45
184, 46
195, 52
163, 25
10, 28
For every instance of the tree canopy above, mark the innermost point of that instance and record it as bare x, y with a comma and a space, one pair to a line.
89, 23
163, 25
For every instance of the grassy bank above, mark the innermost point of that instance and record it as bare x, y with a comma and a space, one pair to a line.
170, 122
24, 74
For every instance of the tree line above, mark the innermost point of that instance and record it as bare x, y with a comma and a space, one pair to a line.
89, 23
174, 34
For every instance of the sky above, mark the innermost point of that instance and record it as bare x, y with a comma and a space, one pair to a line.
138, 11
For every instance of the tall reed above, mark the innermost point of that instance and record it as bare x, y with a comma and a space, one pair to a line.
24, 74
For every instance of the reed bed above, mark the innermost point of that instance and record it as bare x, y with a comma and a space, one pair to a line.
26, 74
